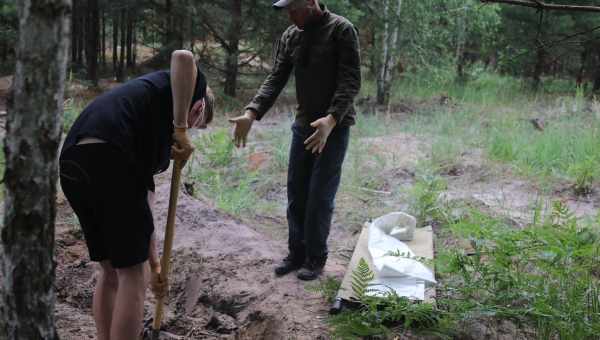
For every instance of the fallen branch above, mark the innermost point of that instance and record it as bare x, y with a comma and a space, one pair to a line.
374, 191
546, 6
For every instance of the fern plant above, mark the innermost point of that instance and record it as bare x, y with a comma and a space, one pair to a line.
382, 315
361, 278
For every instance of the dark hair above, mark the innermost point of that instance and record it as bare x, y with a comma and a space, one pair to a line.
209, 105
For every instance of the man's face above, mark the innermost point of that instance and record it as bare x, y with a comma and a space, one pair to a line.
299, 12
196, 117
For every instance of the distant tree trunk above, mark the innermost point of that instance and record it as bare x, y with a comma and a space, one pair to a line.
81, 14
74, 30
540, 55
103, 40
92, 36
115, 54
130, 34
121, 68
33, 133
461, 37
582, 62
168, 15
596, 73
539, 68
134, 45
389, 55
186, 26
232, 52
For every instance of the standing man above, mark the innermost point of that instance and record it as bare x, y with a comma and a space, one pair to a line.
107, 164
322, 48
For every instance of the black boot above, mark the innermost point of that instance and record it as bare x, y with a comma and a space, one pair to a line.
311, 270
288, 265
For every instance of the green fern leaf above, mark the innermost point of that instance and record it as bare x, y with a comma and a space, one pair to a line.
361, 278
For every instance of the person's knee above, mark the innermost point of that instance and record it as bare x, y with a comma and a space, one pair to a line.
109, 275
133, 275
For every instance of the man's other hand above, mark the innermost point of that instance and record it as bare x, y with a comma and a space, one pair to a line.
158, 287
242, 126
316, 142
182, 147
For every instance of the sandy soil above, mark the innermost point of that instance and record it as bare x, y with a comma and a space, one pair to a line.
223, 286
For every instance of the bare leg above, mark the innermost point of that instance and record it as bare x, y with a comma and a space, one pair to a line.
104, 299
128, 313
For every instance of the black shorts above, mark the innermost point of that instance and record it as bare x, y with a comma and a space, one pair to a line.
110, 201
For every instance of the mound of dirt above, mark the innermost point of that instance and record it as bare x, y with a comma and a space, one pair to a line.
222, 281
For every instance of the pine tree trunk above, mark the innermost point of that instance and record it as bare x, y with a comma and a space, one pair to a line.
134, 60
539, 68
81, 32
168, 37
74, 30
103, 40
92, 34
461, 37
596, 63
233, 51
115, 41
121, 69
129, 43
389, 55
582, 63
33, 133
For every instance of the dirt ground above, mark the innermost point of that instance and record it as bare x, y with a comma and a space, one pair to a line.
223, 286
222, 281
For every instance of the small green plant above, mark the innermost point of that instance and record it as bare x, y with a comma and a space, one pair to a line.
222, 175
425, 198
216, 147
583, 173
540, 277
72, 109
327, 287
382, 314
361, 278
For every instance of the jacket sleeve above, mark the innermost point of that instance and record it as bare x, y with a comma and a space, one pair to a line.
276, 80
348, 73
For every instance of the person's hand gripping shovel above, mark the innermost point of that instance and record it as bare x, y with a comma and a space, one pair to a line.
181, 152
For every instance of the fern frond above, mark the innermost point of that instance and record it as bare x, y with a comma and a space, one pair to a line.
361, 278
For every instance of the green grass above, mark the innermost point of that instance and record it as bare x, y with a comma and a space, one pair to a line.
223, 174
542, 278
493, 113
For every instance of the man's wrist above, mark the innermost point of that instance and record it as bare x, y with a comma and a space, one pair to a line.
180, 129
154, 264
251, 114
331, 119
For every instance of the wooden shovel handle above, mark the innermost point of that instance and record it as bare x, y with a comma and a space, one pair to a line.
168, 244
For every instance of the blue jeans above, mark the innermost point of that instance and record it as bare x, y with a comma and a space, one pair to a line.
313, 181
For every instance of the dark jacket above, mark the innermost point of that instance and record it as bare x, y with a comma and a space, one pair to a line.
326, 60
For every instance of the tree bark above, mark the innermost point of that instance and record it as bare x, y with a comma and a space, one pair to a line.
168, 37
389, 55
81, 11
581, 72
92, 38
596, 73
103, 40
545, 6
233, 51
115, 41
130, 20
33, 133
123, 29
461, 37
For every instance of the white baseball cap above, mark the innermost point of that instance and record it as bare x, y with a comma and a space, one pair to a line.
282, 3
